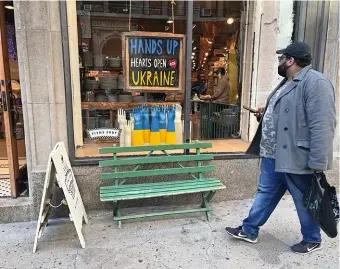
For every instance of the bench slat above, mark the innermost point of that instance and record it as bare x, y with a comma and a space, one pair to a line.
155, 148
159, 194
125, 192
157, 172
163, 213
160, 190
181, 188
155, 185
159, 159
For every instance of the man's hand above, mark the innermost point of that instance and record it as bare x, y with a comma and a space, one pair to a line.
205, 97
259, 113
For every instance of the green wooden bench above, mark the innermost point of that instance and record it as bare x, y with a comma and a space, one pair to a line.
194, 182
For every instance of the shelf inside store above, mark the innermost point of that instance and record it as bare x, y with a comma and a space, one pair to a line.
121, 105
103, 68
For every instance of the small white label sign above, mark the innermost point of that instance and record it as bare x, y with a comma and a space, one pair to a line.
103, 133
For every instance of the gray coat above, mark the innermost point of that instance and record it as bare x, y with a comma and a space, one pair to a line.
306, 120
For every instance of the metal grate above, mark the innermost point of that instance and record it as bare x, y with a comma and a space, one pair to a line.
219, 121
5, 187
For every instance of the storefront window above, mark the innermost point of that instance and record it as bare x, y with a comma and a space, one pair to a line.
107, 105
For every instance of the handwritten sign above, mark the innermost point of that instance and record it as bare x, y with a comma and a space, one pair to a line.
153, 61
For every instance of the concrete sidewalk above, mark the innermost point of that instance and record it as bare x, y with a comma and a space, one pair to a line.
183, 242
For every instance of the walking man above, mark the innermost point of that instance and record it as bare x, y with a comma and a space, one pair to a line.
294, 140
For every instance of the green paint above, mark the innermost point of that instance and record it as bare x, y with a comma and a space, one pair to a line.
155, 148
152, 160
120, 191
163, 213
156, 172
113, 194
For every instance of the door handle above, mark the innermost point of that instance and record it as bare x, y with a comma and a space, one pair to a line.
3, 96
4, 101
8, 105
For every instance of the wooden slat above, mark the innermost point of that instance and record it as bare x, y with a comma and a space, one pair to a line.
163, 213
153, 160
161, 185
156, 185
156, 148
152, 189
173, 190
159, 194
157, 172
178, 189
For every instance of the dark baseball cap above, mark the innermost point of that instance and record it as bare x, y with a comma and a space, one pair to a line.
297, 50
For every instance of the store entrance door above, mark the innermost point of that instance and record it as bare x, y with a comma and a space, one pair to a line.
10, 171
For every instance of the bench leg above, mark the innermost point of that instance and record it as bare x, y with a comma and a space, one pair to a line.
116, 212
206, 199
210, 195
205, 204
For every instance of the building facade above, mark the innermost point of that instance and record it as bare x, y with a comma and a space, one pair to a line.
52, 41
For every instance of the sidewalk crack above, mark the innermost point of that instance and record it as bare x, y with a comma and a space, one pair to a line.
212, 244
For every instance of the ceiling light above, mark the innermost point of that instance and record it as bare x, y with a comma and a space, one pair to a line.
206, 54
192, 57
194, 48
193, 26
225, 48
205, 58
9, 7
230, 20
170, 20
193, 53
209, 41
167, 28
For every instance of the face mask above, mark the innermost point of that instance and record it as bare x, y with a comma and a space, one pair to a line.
282, 69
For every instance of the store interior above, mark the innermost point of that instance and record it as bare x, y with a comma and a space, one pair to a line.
216, 43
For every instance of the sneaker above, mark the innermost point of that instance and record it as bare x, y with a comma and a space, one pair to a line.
305, 247
239, 234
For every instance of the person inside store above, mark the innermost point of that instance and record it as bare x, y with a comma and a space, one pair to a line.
199, 86
221, 94
294, 140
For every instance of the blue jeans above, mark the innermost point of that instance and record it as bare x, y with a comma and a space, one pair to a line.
272, 186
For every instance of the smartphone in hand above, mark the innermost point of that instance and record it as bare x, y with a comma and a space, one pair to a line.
251, 110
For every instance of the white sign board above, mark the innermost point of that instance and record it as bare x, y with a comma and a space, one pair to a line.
103, 133
59, 171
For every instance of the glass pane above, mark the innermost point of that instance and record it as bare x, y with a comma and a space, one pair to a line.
215, 115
